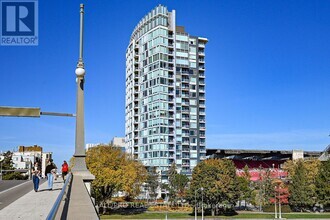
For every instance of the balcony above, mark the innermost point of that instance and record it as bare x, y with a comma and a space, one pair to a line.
201, 45
185, 134
201, 53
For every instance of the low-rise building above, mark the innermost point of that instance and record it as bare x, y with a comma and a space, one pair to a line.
26, 156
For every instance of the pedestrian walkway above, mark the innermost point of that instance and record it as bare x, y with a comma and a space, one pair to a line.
33, 205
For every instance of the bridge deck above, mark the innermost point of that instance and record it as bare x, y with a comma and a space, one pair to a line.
33, 205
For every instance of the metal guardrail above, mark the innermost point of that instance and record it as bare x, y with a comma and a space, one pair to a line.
54, 210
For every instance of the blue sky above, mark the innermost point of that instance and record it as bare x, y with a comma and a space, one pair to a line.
267, 73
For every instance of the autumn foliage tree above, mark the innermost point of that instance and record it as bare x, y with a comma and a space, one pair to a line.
114, 171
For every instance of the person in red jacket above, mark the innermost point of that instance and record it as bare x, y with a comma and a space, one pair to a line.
65, 170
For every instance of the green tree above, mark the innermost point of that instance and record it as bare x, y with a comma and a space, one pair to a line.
7, 163
311, 169
268, 187
216, 180
114, 171
323, 184
177, 184
244, 186
181, 182
152, 182
299, 190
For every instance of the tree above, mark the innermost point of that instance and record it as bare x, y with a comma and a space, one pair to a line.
244, 186
152, 182
218, 180
311, 169
300, 192
114, 171
268, 187
180, 182
177, 184
323, 184
7, 163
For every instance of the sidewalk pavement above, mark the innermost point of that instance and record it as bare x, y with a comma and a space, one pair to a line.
33, 205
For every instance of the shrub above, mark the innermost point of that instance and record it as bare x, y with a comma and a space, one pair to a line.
14, 176
162, 208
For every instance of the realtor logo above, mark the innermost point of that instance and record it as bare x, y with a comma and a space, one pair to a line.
19, 23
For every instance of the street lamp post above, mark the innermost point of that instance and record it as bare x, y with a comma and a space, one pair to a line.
279, 195
279, 203
202, 189
275, 204
1, 169
275, 194
79, 167
196, 204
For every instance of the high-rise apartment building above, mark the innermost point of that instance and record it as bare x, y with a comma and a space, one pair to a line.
165, 93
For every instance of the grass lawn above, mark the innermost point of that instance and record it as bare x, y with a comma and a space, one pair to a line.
247, 215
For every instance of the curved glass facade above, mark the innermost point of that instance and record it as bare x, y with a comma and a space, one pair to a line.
165, 94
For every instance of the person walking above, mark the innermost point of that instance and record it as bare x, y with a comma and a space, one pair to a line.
65, 169
49, 173
36, 176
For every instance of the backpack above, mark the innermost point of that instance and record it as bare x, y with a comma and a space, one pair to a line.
65, 168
